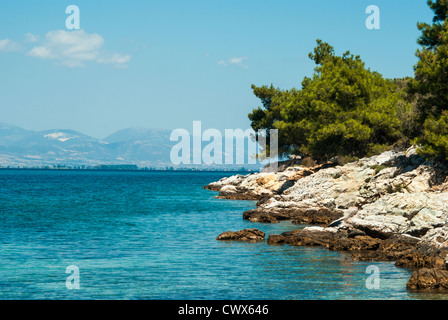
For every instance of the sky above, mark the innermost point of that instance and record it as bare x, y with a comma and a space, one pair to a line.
165, 64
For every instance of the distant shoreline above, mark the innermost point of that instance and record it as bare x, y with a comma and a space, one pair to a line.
128, 170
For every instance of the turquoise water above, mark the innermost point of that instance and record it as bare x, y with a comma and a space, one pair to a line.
151, 235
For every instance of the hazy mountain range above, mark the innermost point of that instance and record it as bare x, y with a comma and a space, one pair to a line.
62, 147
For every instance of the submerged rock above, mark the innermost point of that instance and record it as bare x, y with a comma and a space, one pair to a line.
251, 235
362, 247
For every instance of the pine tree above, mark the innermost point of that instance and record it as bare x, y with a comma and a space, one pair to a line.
431, 83
344, 109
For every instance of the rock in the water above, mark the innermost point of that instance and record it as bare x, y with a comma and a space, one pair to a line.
306, 216
429, 279
251, 235
361, 246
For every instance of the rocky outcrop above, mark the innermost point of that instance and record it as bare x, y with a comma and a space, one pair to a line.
261, 185
250, 235
355, 184
402, 213
389, 193
248, 187
360, 245
392, 207
318, 216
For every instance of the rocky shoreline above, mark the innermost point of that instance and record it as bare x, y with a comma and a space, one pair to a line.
390, 207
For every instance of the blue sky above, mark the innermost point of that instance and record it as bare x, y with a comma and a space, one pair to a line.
164, 64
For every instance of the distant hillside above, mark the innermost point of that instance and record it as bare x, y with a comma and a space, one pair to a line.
62, 147
140, 145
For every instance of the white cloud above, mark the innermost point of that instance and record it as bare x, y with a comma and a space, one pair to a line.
237, 61
7, 45
42, 52
70, 48
31, 38
116, 58
75, 48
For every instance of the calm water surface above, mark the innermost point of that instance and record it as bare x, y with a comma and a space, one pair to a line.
151, 235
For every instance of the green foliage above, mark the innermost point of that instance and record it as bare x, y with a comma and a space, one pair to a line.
430, 33
344, 109
343, 160
434, 142
308, 162
378, 168
407, 112
264, 118
396, 188
431, 83
431, 77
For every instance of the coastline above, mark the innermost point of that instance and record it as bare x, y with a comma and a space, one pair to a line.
389, 207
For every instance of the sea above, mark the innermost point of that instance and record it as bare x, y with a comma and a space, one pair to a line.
151, 235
